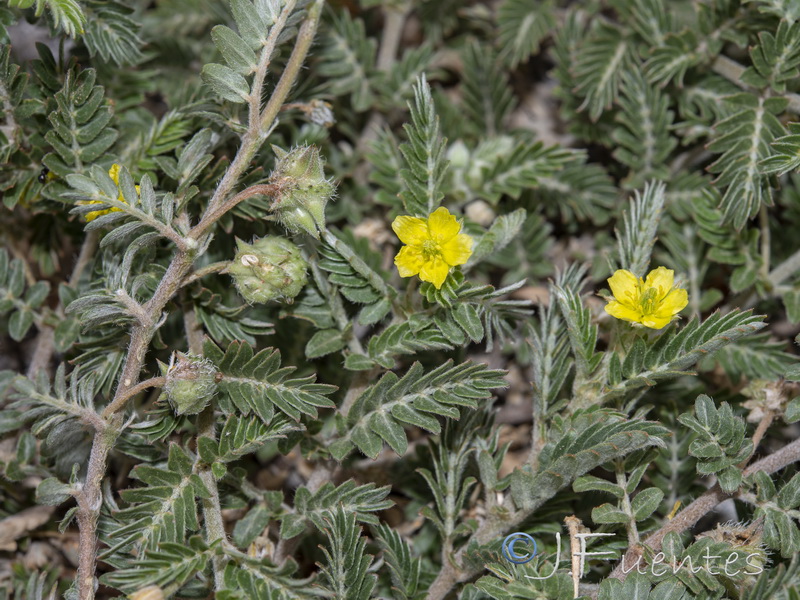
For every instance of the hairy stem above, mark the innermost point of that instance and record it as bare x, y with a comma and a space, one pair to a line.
761, 429
394, 20
207, 270
633, 530
263, 64
212, 512
118, 403
214, 213
90, 499
304, 38
763, 219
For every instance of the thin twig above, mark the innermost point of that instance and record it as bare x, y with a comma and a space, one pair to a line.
213, 214
304, 39
212, 511
394, 19
763, 218
206, 428
84, 257
43, 352
207, 270
263, 64
758, 435
17, 253
194, 331
118, 403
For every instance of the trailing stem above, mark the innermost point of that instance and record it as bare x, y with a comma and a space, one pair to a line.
90, 498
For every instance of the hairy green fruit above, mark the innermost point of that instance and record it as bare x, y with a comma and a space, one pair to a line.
304, 190
191, 383
271, 268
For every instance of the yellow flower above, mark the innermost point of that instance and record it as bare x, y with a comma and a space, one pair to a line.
433, 246
113, 172
653, 302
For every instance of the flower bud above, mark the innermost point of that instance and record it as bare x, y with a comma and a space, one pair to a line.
303, 190
270, 268
151, 592
191, 383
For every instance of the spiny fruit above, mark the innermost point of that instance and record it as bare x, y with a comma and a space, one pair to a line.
271, 268
191, 383
303, 190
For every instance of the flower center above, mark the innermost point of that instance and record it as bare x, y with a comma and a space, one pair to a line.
649, 301
430, 248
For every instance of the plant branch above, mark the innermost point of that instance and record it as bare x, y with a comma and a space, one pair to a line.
194, 331
706, 503
763, 219
90, 498
263, 64
212, 511
118, 403
761, 429
393, 22
304, 38
207, 270
213, 214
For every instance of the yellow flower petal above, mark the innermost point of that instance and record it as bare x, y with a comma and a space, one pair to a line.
91, 216
625, 286
113, 172
620, 311
661, 279
411, 230
408, 261
673, 303
655, 322
458, 250
434, 270
442, 225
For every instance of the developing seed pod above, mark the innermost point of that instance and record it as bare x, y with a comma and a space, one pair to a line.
271, 268
191, 383
303, 190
